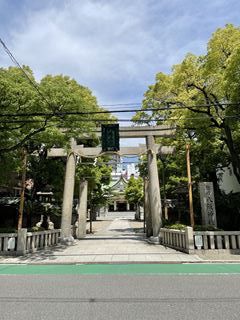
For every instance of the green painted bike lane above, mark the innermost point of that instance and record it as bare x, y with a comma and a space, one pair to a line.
121, 269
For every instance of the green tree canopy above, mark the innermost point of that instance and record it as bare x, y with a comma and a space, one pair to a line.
134, 190
33, 115
201, 96
37, 112
98, 176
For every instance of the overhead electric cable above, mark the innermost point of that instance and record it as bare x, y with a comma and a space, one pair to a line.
14, 60
170, 105
64, 113
117, 120
121, 104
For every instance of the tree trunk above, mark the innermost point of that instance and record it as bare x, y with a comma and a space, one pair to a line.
233, 152
21, 205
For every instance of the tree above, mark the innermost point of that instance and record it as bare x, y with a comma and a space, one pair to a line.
98, 176
35, 116
38, 112
201, 95
134, 191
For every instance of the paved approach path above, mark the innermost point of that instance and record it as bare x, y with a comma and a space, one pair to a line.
117, 238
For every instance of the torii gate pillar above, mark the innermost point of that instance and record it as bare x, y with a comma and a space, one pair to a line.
147, 213
82, 209
66, 221
154, 190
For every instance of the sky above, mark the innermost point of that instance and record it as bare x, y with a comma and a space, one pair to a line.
114, 47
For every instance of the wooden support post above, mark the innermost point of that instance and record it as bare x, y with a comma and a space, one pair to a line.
190, 186
21, 206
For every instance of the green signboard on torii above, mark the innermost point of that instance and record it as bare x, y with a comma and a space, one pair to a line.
110, 137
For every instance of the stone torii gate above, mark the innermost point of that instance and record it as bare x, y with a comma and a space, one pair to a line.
154, 200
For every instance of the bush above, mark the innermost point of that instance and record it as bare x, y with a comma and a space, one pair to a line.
179, 226
176, 226
8, 230
35, 229
206, 228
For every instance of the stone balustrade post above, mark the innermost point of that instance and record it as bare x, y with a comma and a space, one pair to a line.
21, 241
189, 239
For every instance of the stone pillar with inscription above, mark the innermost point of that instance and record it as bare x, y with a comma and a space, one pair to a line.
207, 204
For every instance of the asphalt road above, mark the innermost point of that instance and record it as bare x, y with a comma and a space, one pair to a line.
119, 297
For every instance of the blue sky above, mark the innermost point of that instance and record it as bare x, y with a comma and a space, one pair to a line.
114, 47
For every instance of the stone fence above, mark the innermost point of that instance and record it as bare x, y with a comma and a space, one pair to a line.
23, 242
181, 240
217, 240
188, 241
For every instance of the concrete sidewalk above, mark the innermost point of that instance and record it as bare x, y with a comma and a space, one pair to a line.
115, 240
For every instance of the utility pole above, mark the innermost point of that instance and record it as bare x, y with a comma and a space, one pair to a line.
21, 206
189, 186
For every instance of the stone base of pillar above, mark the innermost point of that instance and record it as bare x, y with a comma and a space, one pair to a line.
68, 241
154, 240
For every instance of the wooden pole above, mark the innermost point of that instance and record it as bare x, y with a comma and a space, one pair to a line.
190, 186
21, 205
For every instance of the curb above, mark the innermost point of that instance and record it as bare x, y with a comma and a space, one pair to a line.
124, 262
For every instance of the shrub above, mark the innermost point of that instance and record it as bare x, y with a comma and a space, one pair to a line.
206, 228
35, 229
8, 230
176, 226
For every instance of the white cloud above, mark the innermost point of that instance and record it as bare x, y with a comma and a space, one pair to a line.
114, 47
98, 44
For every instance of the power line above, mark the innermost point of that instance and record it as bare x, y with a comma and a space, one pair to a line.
14, 60
118, 120
167, 103
59, 126
168, 108
66, 113
121, 104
